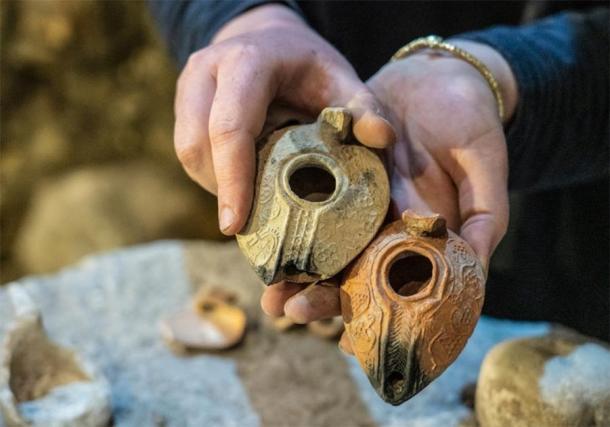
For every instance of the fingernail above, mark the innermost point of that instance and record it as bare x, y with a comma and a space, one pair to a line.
390, 136
227, 218
485, 264
374, 130
386, 121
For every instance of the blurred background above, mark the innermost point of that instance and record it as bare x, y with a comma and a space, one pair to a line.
87, 161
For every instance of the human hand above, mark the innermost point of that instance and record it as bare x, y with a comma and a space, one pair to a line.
451, 153
450, 156
267, 56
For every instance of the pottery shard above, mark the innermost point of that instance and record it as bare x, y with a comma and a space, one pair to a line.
545, 382
212, 322
410, 302
320, 197
44, 384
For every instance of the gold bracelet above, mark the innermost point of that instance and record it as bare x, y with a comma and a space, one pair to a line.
437, 43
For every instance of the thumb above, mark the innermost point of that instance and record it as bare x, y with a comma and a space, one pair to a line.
370, 126
481, 180
481, 232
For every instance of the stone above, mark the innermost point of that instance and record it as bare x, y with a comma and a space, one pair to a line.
271, 379
211, 322
44, 384
410, 302
108, 307
320, 198
104, 207
548, 381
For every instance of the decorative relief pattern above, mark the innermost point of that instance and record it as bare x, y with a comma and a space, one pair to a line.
299, 239
424, 332
319, 237
363, 328
264, 243
359, 299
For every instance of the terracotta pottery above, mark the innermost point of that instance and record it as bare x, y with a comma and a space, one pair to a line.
410, 302
212, 322
320, 197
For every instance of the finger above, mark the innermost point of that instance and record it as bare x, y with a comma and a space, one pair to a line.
318, 301
237, 116
370, 126
405, 195
481, 176
275, 296
345, 345
427, 194
418, 181
194, 93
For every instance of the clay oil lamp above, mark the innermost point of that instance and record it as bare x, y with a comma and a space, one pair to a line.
320, 198
410, 302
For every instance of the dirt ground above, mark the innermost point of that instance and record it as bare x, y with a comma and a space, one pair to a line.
287, 375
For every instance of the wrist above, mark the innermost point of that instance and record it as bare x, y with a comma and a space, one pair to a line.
259, 18
499, 68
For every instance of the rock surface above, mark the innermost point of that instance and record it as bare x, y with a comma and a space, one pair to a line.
108, 307
43, 384
556, 380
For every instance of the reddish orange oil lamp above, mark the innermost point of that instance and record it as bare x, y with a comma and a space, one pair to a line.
410, 302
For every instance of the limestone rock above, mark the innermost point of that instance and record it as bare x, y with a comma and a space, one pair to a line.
104, 207
44, 384
554, 380
108, 306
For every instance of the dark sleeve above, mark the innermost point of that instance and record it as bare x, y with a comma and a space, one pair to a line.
559, 133
189, 25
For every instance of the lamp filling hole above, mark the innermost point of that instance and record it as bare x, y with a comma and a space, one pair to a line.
409, 273
312, 183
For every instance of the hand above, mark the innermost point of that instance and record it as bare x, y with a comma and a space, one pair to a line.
450, 157
451, 153
267, 55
